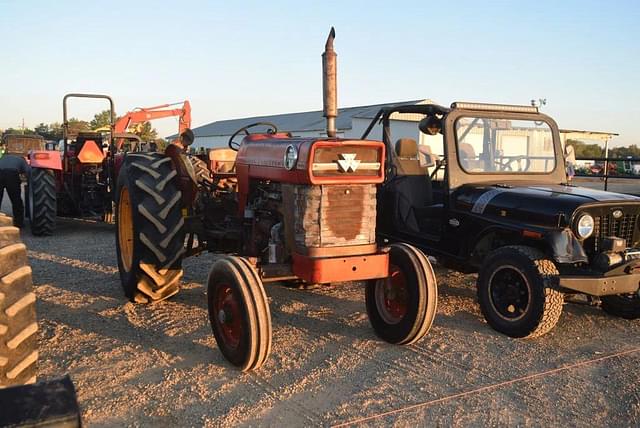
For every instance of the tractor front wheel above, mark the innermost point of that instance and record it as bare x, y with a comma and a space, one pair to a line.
41, 201
402, 306
149, 228
239, 312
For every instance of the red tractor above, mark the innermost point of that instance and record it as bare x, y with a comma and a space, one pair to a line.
284, 209
79, 180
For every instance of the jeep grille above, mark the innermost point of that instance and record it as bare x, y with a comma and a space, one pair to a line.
606, 226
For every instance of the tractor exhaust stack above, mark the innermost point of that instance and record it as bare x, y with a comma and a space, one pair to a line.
330, 84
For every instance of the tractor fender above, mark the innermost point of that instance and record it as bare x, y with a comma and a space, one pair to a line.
185, 174
45, 159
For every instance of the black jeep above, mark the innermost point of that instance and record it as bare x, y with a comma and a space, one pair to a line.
495, 200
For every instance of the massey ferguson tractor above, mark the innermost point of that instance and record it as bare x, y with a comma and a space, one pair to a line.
282, 209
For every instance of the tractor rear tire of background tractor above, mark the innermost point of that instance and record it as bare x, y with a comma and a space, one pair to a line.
402, 307
18, 327
41, 201
149, 228
517, 291
239, 312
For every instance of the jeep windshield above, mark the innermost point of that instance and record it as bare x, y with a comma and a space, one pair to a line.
504, 146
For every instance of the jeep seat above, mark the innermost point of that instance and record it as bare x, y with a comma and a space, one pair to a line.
411, 186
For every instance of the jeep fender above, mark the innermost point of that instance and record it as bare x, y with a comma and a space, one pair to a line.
560, 244
565, 247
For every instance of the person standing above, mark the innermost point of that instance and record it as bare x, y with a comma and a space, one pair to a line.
11, 166
570, 159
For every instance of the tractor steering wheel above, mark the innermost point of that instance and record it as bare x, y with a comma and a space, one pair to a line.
235, 146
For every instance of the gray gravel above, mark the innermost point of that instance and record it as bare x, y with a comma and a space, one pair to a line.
158, 365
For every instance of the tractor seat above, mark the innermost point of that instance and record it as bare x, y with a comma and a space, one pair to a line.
222, 160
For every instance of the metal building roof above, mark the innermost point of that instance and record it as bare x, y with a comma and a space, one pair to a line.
295, 122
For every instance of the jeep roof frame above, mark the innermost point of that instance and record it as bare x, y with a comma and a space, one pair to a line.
456, 175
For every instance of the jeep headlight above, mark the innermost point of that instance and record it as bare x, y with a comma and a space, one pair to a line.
585, 226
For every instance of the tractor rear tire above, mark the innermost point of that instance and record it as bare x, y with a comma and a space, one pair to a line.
239, 313
201, 170
41, 201
18, 327
149, 228
402, 307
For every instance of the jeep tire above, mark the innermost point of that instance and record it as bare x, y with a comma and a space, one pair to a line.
149, 227
517, 291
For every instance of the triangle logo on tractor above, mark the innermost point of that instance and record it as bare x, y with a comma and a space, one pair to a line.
348, 162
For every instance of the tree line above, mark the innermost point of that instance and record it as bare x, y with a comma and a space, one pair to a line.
585, 150
53, 131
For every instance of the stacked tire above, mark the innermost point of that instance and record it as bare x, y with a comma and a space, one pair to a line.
18, 327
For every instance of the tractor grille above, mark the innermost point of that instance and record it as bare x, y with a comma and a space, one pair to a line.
606, 226
334, 215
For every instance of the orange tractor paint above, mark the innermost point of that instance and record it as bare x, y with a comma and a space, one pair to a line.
292, 210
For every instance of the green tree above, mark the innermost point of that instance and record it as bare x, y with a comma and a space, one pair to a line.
77, 125
584, 150
146, 132
101, 119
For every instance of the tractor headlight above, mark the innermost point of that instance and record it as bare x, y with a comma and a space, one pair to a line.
290, 157
585, 226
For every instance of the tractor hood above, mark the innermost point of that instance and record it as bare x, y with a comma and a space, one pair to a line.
533, 203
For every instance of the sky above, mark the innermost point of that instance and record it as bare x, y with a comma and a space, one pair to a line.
245, 58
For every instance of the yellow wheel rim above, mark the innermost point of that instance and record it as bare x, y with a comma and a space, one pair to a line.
125, 229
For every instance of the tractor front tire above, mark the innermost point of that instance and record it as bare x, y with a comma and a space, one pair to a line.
18, 327
517, 291
149, 228
239, 313
41, 201
402, 307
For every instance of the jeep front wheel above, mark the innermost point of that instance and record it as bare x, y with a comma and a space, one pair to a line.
517, 291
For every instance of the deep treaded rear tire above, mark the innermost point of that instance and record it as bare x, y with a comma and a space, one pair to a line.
201, 170
239, 312
41, 201
18, 327
402, 307
623, 306
150, 232
530, 309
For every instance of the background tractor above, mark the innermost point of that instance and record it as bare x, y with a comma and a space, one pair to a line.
79, 180
276, 208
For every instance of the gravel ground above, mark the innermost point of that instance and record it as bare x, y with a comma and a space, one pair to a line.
158, 365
